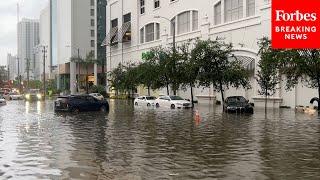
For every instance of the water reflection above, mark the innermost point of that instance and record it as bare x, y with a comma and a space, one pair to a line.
149, 143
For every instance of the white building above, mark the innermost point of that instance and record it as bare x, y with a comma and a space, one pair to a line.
12, 66
240, 22
76, 27
44, 42
28, 38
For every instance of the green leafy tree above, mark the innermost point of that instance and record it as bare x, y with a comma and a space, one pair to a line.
216, 67
302, 65
117, 78
268, 73
148, 74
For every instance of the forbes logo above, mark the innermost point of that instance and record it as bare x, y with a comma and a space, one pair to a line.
281, 15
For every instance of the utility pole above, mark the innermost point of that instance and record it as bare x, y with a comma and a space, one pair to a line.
28, 75
19, 76
44, 51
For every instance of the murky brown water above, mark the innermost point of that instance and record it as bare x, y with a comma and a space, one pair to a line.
141, 143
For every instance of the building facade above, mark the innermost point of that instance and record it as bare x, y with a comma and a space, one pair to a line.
12, 66
240, 22
28, 39
76, 28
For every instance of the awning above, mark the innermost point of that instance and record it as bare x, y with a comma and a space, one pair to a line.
247, 62
124, 29
111, 37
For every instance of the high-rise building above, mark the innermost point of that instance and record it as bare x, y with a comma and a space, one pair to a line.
77, 28
28, 39
12, 66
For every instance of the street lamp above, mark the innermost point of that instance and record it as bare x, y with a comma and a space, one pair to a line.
173, 24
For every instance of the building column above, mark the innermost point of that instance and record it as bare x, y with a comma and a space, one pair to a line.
95, 72
73, 79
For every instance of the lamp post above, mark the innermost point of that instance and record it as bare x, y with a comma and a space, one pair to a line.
173, 24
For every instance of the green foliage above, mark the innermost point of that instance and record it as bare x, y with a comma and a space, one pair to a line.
267, 74
216, 67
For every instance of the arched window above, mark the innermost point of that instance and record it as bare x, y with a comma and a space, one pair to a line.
185, 22
150, 32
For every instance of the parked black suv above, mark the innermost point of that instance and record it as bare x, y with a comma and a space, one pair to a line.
76, 103
237, 104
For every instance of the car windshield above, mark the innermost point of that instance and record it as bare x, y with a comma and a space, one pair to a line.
34, 91
236, 99
176, 98
150, 98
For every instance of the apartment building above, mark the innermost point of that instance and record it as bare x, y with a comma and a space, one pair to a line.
12, 66
28, 39
133, 27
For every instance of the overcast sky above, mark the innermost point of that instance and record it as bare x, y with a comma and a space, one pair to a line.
8, 21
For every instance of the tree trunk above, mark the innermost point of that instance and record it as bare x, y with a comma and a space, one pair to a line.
191, 93
103, 82
222, 95
266, 100
148, 90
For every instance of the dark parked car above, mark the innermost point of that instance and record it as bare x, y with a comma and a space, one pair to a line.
237, 104
76, 103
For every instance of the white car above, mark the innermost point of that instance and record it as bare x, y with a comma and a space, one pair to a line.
14, 96
144, 101
97, 96
172, 102
2, 101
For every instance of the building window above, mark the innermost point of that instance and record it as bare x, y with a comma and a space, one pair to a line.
184, 22
233, 10
217, 14
92, 2
92, 43
114, 23
91, 12
157, 31
92, 33
150, 32
156, 4
142, 35
195, 21
127, 18
92, 22
250, 7
142, 7
114, 26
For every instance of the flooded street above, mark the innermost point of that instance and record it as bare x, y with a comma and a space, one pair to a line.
145, 143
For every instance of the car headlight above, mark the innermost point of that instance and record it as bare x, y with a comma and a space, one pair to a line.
27, 96
39, 96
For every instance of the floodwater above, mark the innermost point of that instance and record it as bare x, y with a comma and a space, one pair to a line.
146, 143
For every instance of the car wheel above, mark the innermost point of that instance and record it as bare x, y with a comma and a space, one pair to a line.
157, 105
136, 104
103, 108
148, 104
173, 106
10, 98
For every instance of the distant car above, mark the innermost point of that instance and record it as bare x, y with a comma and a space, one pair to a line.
76, 103
145, 101
172, 102
237, 104
97, 96
2, 100
13, 96
33, 95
